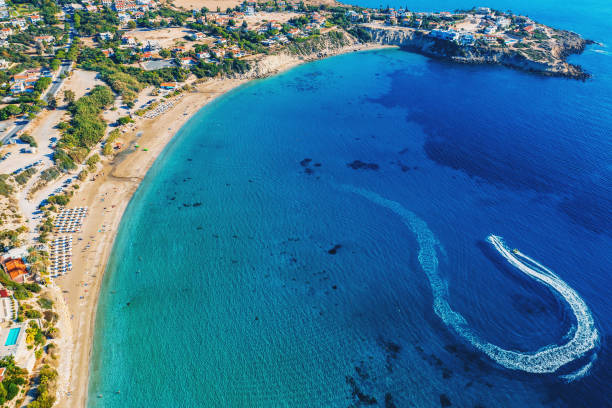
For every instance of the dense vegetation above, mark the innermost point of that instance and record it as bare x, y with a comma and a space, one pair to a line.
14, 378
85, 129
94, 23
126, 81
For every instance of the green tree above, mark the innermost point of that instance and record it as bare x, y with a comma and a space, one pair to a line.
2, 394
14, 110
12, 391
69, 96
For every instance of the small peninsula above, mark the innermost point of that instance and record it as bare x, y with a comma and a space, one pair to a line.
476, 36
479, 36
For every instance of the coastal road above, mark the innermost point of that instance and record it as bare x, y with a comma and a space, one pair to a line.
57, 83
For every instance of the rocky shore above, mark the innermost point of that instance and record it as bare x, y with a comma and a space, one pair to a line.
548, 59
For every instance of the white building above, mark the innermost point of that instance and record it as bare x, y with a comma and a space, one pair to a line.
19, 22
105, 36
449, 35
503, 22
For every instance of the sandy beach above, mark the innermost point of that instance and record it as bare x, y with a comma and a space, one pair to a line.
107, 197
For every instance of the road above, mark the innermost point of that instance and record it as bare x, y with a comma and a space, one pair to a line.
58, 81
19, 126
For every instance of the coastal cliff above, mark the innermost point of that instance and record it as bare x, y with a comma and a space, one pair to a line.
548, 59
325, 45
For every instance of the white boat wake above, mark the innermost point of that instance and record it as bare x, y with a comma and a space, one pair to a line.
582, 338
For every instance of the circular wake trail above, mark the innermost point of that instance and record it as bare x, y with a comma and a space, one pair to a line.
584, 337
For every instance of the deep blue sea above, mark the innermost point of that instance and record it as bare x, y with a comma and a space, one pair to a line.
319, 239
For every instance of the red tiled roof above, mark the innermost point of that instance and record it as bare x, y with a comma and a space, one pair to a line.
15, 269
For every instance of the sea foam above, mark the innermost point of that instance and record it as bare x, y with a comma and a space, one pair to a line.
583, 337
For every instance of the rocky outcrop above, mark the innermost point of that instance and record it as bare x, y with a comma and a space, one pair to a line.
550, 59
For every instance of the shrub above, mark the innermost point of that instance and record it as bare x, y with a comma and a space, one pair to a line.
23, 177
33, 314
27, 138
59, 199
45, 303
92, 161
125, 120
5, 188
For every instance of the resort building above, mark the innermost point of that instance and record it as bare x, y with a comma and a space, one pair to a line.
198, 36
448, 35
188, 61
5, 32
105, 36
25, 81
15, 269
47, 39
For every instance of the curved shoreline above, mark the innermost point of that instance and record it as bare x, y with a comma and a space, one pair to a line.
107, 198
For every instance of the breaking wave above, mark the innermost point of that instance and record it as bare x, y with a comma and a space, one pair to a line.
584, 336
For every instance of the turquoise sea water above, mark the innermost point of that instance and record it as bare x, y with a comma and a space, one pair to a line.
255, 268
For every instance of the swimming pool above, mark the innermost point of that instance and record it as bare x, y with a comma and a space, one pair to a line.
11, 339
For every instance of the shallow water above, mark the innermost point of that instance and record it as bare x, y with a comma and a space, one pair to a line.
247, 272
